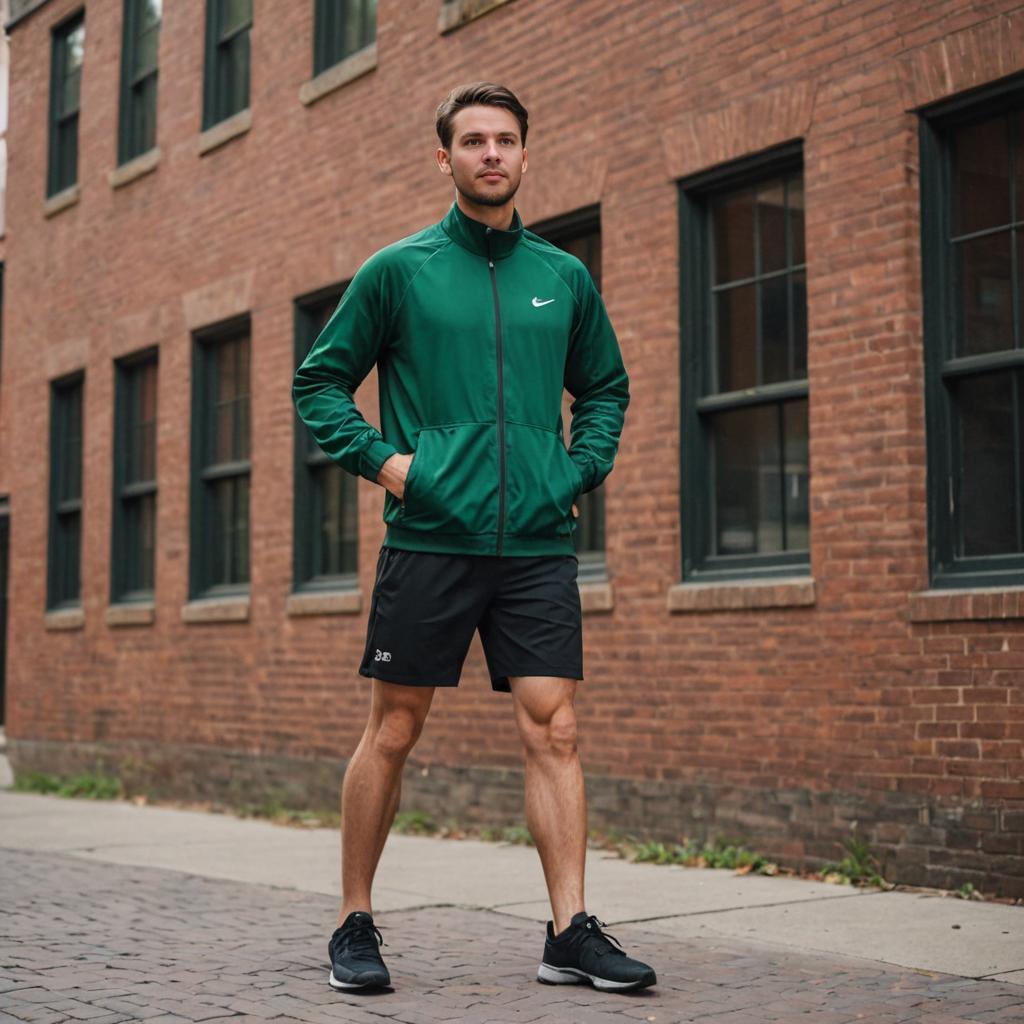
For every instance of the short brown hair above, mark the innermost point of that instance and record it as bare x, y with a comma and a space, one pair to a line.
485, 94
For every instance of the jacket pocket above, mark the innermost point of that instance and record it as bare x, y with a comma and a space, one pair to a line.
452, 486
543, 482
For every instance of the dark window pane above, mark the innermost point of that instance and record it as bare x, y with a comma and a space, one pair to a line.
798, 283
775, 329
146, 52
795, 201
771, 222
736, 336
732, 228
590, 536
234, 15
796, 493
988, 486
981, 178
983, 270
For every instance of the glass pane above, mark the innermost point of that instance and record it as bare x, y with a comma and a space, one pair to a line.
736, 336
143, 114
239, 74
774, 329
983, 287
587, 249
147, 422
798, 283
747, 499
240, 530
140, 542
771, 224
220, 521
69, 476
590, 525
150, 14
69, 91
67, 153
732, 227
146, 52
234, 14
987, 498
796, 219
796, 482
981, 176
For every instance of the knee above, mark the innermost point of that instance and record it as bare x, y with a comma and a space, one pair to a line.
396, 733
553, 737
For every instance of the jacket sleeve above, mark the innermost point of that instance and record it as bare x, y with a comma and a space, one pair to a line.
596, 378
343, 354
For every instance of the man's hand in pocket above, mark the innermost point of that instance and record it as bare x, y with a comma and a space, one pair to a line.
393, 473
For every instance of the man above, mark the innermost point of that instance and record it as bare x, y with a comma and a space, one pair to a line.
475, 327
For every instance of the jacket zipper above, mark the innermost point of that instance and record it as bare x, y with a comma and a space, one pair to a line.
501, 397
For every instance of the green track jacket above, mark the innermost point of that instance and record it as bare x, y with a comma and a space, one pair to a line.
474, 332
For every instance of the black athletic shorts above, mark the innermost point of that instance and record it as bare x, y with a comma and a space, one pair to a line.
426, 606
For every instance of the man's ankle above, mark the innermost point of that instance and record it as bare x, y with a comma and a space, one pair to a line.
352, 908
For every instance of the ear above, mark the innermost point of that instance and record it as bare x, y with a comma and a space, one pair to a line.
444, 161
525, 159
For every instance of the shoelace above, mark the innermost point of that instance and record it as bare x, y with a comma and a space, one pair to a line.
593, 927
362, 937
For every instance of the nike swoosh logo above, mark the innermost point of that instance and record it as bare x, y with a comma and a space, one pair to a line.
537, 302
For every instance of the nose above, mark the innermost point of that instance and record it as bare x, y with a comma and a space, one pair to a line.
492, 154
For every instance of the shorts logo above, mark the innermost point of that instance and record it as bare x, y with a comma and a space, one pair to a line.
382, 655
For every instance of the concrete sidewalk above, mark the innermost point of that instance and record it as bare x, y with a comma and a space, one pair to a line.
427, 881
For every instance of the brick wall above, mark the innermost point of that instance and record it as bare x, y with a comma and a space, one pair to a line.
778, 724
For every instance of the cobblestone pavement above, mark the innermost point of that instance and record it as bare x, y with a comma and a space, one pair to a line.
87, 941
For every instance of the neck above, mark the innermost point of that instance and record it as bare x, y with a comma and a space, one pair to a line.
498, 217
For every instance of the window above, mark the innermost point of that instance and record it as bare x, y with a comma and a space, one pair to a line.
134, 538
580, 234
139, 53
744, 371
63, 563
226, 81
972, 201
326, 509
342, 27
65, 86
219, 530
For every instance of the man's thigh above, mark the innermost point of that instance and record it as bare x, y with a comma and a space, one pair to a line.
533, 625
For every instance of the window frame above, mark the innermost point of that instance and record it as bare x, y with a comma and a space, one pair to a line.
695, 194
304, 545
936, 124
593, 562
55, 183
214, 100
125, 383
128, 146
327, 35
62, 571
202, 534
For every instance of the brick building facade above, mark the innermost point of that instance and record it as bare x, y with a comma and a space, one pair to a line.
803, 581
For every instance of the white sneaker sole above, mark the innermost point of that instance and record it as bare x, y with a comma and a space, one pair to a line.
572, 976
334, 983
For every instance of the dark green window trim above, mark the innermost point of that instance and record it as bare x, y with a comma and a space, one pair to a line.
133, 540
779, 403
63, 577
579, 233
326, 497
65, 91
226, 74
341, 28
219, 516
140, 48
958, 501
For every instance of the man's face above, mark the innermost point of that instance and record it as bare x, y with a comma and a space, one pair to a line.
487, 158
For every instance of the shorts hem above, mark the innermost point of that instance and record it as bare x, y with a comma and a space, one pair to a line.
500, 683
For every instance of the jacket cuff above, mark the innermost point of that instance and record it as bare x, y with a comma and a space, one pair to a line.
374, 457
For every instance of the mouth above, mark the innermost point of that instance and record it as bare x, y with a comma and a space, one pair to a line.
491, 176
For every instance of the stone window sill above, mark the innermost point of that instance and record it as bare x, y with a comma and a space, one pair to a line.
336, 602
61, 200
225, 131
134, 168
967, 603
348, 70
216, 609
64, 618
789, 592
456, 13
596, 596
134, 613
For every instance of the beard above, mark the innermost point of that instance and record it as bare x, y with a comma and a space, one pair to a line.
481, 198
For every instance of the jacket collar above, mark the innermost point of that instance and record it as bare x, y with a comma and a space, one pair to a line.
479, 238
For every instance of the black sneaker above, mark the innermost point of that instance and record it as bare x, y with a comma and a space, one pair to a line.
354, 952
584, 953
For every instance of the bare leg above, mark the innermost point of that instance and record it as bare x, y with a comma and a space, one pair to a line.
372, 786
556, 805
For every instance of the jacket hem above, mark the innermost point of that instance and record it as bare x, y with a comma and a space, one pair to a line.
476, 543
